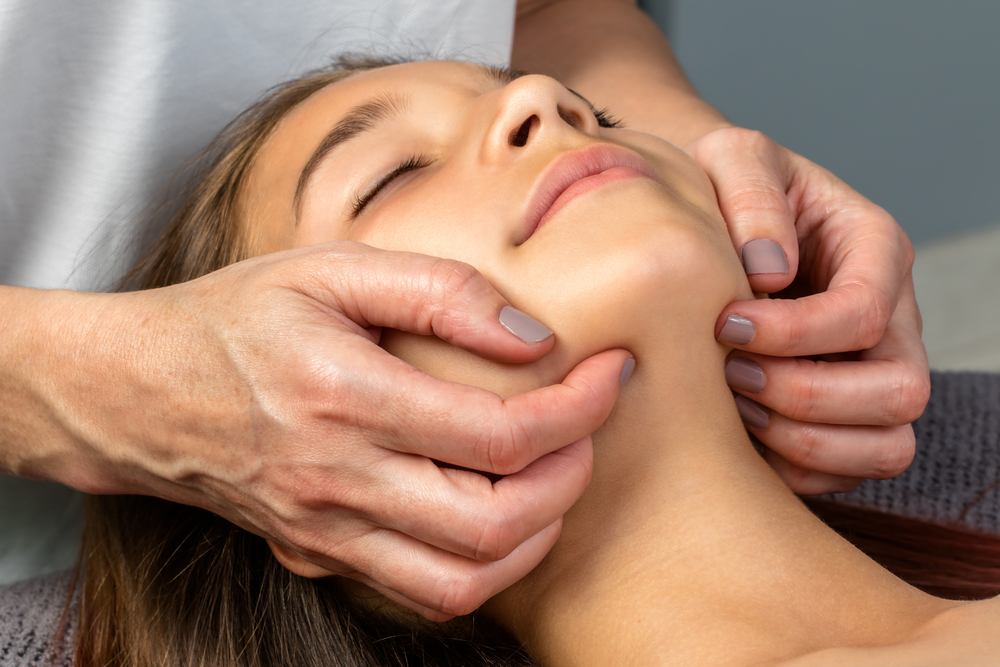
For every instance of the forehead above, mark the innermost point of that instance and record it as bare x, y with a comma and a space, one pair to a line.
314, 117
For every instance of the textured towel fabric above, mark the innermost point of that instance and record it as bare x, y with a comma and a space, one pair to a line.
30, 615
955, 475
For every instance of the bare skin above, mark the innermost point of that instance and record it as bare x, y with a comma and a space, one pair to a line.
686, 548
156, 393
834, 421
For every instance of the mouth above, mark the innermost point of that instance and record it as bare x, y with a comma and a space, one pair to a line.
576, 173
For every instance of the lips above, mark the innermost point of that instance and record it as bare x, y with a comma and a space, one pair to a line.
573, 174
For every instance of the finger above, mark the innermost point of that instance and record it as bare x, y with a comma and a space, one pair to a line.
750, 179
857, 260
462, 512
806, 482
472, 428
441, 585
888, 392
424, 295
872, 452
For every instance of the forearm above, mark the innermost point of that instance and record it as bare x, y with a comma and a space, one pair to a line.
60, 352
613, 54
32, 439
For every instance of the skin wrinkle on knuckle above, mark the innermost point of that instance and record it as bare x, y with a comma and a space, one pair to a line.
458, 286
896, 453
875, 314
458, 594
806, 443
493, 538
802, 397
502, 446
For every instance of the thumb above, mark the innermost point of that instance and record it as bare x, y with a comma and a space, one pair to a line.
423, 295
749, 174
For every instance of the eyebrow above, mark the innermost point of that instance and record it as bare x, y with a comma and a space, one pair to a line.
361, 119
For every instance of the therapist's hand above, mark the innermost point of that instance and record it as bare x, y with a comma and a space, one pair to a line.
259, 392
829, 381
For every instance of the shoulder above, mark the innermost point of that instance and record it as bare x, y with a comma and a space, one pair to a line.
963, 635
31, 613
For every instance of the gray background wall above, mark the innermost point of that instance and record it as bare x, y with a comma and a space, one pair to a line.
900, 98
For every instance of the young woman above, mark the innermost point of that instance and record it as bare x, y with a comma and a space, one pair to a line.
686, 548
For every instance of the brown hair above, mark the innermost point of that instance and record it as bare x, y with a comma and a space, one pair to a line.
169, 585
166, 584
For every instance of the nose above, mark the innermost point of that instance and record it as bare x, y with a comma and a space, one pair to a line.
532, 110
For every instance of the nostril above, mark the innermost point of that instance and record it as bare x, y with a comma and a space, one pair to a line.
519, 137
571, 118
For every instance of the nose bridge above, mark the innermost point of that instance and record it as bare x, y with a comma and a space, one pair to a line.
529, 105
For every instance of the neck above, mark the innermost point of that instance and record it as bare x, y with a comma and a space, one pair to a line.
687, 549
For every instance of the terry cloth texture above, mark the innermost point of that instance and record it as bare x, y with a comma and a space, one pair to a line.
30, 614
955, 475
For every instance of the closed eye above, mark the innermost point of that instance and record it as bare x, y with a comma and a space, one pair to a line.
411, 164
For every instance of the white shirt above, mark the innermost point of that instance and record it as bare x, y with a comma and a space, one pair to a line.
103, 99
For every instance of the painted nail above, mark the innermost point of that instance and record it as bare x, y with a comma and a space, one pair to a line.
752, 413
626, 371
763, 256
744, 374
523, 326
736, 331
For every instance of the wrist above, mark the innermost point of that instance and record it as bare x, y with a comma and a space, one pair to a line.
55, 362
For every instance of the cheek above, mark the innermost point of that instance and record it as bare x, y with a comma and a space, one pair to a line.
449, 225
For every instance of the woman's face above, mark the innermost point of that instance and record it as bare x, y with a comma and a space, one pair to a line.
600, 233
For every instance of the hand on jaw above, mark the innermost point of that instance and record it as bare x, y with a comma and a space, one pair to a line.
295, 425
842, 413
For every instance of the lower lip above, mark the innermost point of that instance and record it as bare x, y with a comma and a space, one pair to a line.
587, 184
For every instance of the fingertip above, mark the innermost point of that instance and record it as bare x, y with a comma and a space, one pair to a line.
734, 329
523, 326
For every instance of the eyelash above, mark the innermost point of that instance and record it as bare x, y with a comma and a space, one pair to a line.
411, 164
604, 119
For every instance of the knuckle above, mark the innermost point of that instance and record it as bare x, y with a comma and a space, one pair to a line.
875, 313
454, 277
896, 454
502, 453
806, 446
459, 595
492, 539
802, 396
908, 397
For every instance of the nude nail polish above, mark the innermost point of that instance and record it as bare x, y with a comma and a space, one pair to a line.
523, 325
736, 331
752, 413
744, 374
763, 256
626, 371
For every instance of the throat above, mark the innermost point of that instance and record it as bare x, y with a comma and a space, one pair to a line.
687, 549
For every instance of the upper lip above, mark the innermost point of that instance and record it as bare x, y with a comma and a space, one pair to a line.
571, 167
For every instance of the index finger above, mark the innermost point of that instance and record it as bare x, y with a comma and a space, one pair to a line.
474, 428
857, 264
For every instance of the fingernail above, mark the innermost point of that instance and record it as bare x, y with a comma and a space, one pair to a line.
752, 412
626, 371
523, 326
763, 256
736, 331
744, 374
